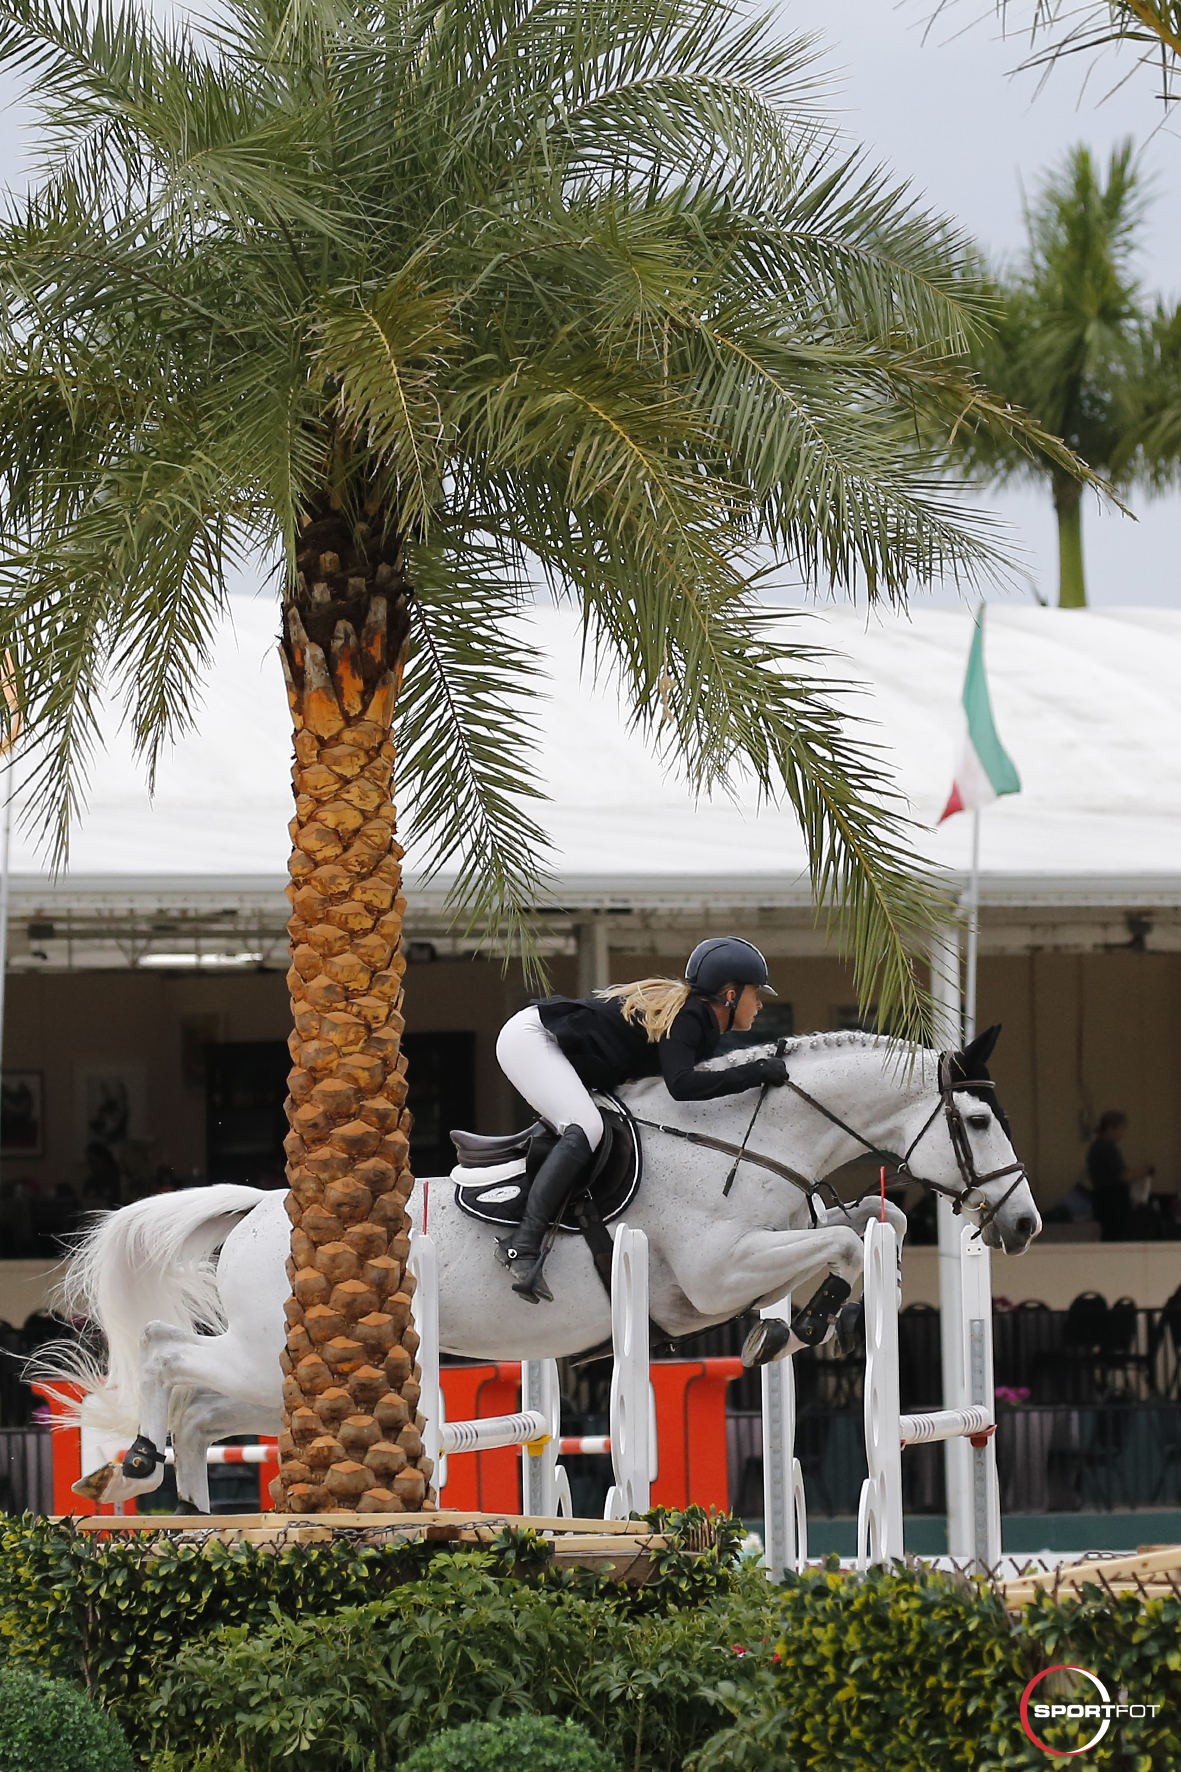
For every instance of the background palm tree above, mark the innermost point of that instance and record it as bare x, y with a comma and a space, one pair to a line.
1066, 344
1059, 31
432, 302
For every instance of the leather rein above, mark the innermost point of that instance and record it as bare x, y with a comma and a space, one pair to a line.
957, 1132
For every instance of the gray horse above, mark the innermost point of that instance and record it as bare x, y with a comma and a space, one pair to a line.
145, 1274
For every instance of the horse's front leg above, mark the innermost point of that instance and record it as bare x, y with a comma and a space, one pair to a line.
763, 1265
835, 1245
828, 1313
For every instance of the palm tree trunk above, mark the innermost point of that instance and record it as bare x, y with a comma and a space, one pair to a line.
1068, 504
352, 1436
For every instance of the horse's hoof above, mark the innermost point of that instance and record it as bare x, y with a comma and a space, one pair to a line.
95, 1484
849, 1327
765, 1342
187, 1507
141, 1459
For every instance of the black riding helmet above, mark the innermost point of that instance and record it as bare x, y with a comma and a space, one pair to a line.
725, 959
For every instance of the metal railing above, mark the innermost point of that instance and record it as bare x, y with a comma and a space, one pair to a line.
1091, 1353
1053, 1458
26, 1470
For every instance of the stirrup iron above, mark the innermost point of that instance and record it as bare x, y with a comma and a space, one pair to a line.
531, 1285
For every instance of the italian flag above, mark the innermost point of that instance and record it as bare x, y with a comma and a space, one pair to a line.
985, 769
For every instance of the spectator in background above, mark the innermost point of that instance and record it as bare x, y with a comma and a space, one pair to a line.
101, 1184
1112, 1180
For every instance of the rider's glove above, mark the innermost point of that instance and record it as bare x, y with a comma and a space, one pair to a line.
774, 1070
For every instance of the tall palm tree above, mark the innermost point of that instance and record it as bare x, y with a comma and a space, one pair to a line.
430, 301
1066, 344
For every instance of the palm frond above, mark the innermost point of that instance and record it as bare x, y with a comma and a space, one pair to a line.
467, 739
386, 355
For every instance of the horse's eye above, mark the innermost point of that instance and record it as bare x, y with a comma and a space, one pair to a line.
979, 1122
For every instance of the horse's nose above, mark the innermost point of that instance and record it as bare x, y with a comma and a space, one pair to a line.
1025, 1226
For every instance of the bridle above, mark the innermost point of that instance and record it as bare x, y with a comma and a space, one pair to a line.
946, 1105
957, 1131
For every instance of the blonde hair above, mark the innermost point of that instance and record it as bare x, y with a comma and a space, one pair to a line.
654, 1002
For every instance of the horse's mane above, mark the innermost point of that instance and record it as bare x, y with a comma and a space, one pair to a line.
799, 1044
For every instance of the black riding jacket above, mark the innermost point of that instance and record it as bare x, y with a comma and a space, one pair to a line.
606, 1050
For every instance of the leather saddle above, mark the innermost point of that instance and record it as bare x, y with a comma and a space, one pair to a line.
494, 1174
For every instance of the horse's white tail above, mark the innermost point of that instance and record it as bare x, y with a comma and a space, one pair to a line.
150, 1262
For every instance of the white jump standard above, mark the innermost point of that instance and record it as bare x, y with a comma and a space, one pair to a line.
887, 1430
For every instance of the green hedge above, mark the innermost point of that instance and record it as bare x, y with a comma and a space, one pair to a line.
909, 1671
462, 1646
47, 1725
865, 1670
108, 1612
344, 1659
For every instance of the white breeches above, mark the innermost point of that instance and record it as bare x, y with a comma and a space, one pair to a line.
539, 1070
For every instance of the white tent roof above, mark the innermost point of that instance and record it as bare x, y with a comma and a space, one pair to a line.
1086, 702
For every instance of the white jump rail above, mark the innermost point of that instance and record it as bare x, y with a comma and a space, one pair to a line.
887, 1430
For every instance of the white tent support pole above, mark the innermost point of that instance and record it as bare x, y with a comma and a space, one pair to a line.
785, 1522
957, 1454
973, 909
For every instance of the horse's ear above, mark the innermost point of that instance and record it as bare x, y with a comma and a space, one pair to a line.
975, 1056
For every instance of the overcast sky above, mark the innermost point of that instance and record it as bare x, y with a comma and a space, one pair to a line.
943, 108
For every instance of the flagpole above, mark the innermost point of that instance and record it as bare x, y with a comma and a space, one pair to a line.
973, 932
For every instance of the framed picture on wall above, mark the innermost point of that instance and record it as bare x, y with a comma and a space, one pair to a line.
111, 1103
22, 1114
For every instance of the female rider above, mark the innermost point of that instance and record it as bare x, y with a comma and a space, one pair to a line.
556, 1051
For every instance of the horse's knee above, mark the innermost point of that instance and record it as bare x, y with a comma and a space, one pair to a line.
848, 1255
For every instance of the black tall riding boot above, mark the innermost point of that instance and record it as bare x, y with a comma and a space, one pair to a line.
524, 1250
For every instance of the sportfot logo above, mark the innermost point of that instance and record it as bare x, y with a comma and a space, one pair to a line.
1094, 1707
